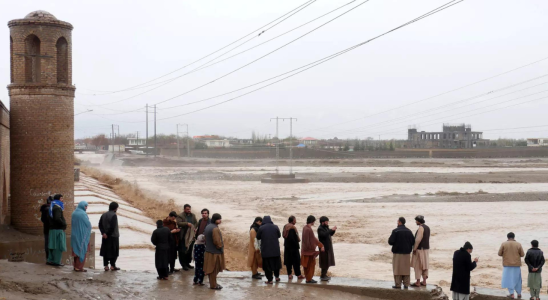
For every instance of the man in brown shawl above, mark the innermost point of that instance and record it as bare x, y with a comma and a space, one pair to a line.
327, 258
308, 250
402, 242
292, 257
421, 252
254, 259
214, 261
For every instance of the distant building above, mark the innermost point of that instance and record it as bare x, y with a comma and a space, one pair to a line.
217, 143
205, 137
537, 142
132, 142
308, 141
452, 136
241, 142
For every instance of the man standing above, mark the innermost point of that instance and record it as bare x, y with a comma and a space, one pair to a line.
327, 257
254, 259
308, 249
421, 252
534, 260
57, 240
44, 210
511, 252
186, 220
202, 223
170, 224
292, 257
162, 238
110, 246
269, 235
402, 242
462, 266
214, 261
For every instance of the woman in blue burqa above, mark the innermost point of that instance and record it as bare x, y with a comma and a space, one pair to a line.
81, 233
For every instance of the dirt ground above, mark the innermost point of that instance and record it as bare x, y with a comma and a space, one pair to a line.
476, 200
37, 282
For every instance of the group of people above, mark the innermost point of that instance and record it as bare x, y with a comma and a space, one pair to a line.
184, 236
264, 249
413, 251
55, 240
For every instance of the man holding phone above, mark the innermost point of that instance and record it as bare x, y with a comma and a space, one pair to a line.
462, 266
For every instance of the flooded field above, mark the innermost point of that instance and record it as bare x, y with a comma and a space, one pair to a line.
462, 200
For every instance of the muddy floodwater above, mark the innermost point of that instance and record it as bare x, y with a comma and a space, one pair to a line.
478, 201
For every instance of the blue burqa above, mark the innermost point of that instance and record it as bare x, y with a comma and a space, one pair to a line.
81, 231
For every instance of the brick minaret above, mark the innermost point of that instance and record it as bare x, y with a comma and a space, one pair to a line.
42, 117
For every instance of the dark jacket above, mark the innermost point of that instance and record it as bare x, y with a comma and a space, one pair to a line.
401, 240
292, 256
327, 258
462, 266
58, 220
162, 238
269, 234
44, 210
534, 259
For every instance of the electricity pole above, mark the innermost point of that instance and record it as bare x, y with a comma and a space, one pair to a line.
187, 140
146, 141
155, 145
114, 136
178, 149
290, 143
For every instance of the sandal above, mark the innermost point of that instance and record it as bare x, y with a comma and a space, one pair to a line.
268, 282
290, 277
107, 269
414, 284
116, 269
278, 279
76, 270
218, 287
510, 296
301, 277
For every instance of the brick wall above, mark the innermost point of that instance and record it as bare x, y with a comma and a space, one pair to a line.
42, 122
4, 165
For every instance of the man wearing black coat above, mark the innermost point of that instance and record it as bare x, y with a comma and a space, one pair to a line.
462, 266
402, 242
269, 235
535, 261
44, 210
162, 238
327, 257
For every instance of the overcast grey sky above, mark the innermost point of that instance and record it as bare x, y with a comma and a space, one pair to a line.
120, 44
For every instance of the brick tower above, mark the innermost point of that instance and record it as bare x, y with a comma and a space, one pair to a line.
42, 117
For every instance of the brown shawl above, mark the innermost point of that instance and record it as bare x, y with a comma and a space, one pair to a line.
172, 225
288, 227
310, 242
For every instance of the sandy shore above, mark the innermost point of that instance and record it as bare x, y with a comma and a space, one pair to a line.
503, 195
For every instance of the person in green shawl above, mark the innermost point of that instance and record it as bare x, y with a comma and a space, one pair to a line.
81, 233
57, 242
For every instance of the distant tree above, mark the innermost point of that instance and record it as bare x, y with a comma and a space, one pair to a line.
391, 147
346, 146
99, 140
200, 145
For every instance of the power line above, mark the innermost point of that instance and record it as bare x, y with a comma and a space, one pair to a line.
325, 59
300, 7
461, 101
253, 61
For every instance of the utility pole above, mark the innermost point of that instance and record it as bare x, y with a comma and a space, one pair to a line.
277, 145
137, 141
112, 138
290, 143
146, 141
155, 145
187, 140
178, 149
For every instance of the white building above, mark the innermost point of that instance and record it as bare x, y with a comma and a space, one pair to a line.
136, 141
217, 143
537, 142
